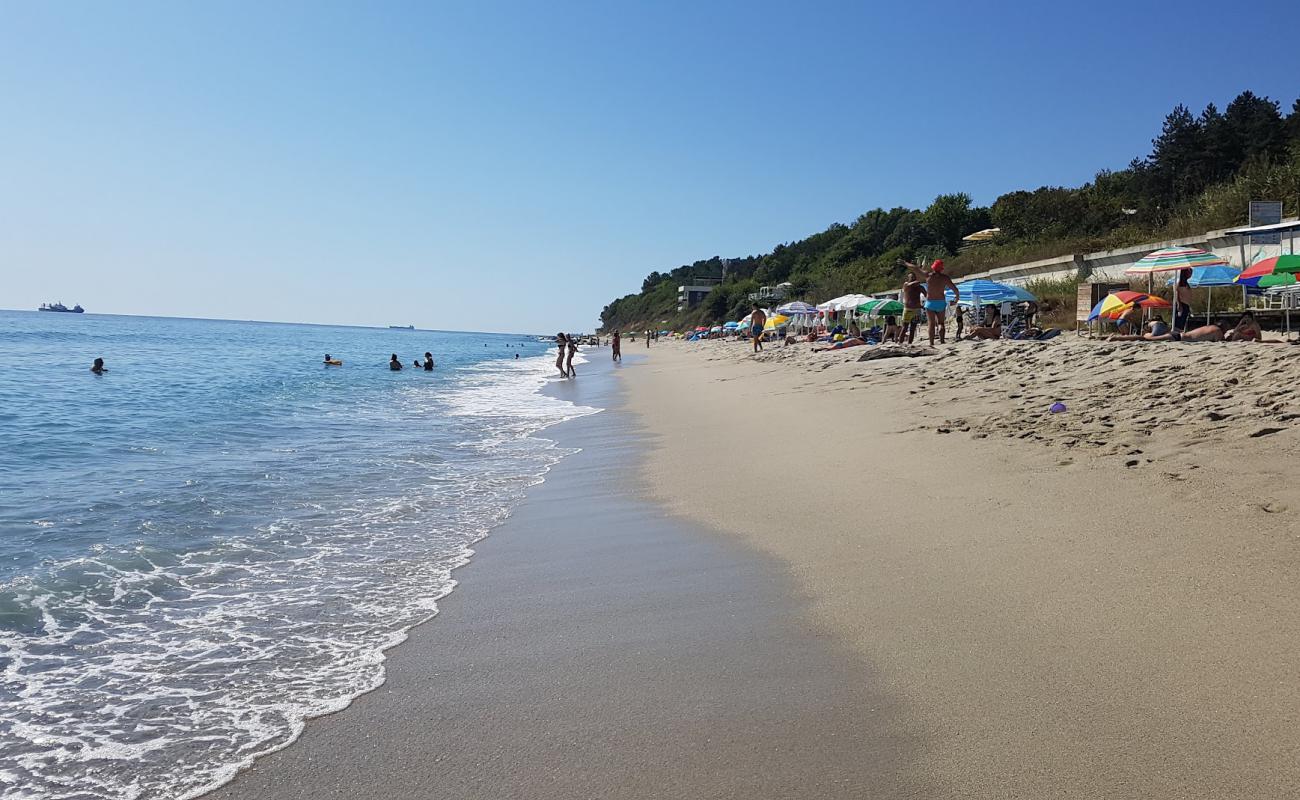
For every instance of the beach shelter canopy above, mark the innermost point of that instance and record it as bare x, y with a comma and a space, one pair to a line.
730, 325
796, 307
880, 307
1116, 303
986, 292
1174, 258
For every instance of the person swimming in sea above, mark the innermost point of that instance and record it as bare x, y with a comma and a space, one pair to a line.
330, 361
428, 362
394, 364
98, 367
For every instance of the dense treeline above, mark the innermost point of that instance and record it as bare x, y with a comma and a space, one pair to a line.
1201, 172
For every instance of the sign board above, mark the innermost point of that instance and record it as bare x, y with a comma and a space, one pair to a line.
1265, 212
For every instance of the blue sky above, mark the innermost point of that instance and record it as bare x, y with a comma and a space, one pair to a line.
514, 166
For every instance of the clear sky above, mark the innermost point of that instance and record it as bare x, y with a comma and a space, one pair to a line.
514, 166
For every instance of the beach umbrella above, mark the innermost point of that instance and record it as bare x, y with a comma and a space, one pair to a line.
731, 325
880, 308
986, 292
1175, 258
846, 302
796, 307
1208, 278
1276, 271
775, 322
701, 329
1116, 303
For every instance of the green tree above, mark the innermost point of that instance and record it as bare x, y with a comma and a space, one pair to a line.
1254, 129
1175, 156
949, 218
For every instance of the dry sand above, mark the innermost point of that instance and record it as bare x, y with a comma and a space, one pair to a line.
1099, 603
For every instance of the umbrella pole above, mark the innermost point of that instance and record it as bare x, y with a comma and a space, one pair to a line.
1209, 301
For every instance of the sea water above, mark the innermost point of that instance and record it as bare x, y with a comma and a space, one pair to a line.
218, 538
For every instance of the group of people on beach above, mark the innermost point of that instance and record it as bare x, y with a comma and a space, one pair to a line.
568, 346
1246, 329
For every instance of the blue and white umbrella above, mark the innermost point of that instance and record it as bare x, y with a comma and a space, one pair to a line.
986, 292
1209, 276
796, 307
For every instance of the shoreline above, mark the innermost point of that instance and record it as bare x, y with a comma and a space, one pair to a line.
596, 647
1058, 621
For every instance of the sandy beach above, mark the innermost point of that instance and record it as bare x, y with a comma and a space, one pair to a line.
1097, 603
805, 575
599, 648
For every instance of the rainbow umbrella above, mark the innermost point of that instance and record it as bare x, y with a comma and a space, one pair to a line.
1116, 303
1174, 258
1276, 271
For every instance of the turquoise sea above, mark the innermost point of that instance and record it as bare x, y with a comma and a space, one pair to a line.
218, 538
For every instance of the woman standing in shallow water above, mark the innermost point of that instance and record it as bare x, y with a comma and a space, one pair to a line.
562, 343
618, 346
573, 348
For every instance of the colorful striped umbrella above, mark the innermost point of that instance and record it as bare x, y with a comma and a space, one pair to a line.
1174, 258
1116, 303
1276, 271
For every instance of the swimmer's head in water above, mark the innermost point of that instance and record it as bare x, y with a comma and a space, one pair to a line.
937, 266
428, 355
99, 363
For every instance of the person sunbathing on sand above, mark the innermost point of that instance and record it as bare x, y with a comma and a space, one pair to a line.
840, 345
992, 329
1205, 333
1157, 327
1246, 330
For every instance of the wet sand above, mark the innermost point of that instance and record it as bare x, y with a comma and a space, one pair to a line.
1095, 604
597, 648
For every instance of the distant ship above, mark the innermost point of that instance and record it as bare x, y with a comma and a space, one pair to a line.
77, 309
402, 327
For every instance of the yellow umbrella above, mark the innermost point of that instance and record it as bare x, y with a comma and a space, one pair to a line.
775, 322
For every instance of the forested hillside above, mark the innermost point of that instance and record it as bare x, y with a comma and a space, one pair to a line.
1201, 172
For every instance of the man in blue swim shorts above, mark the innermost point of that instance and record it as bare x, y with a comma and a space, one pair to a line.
936, 307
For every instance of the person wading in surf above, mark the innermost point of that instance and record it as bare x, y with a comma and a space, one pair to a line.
563, 344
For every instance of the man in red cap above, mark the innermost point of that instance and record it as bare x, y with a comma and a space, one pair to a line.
936, 307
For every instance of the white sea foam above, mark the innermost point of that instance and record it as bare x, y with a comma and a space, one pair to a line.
148, 672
